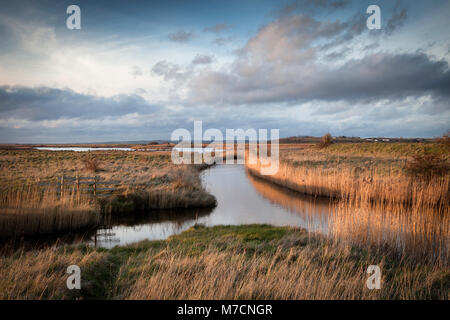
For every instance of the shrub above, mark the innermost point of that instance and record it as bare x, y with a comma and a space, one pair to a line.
427, 165
92, 164
327, 140
444, 140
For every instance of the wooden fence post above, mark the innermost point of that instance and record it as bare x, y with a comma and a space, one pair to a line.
95, 186
62, 186
78, 183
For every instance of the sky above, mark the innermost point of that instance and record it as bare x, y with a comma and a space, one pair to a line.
138, 70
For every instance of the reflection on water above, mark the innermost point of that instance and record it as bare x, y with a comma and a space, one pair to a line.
157, 226
245, 199
242, 199
315, 212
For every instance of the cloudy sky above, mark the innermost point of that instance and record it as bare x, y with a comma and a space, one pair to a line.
137, 70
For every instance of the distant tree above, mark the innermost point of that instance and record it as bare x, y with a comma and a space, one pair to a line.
445, 139
327, 140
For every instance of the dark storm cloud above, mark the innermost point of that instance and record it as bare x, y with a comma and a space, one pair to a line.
383, 76
285, 76
378, 76
35, 104
280, 64
181, 36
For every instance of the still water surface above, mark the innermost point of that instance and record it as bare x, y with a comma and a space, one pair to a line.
242, 199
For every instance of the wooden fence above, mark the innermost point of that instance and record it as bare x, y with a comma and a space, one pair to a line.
90, 184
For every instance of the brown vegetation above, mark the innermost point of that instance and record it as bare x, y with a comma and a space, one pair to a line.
376, 201
420, 233
32, 210
360, 179
428, 166
92, 164
147, 181
234, 262
444, 140
326, 141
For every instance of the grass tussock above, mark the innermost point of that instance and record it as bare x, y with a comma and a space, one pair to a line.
227, 262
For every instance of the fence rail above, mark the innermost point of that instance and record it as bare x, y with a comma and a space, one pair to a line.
82, 184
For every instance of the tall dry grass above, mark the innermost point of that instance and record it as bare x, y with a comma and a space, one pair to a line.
41, 274
221, 263
322, 272
215, 275
32, 210
420, 233
360, 186
376, 202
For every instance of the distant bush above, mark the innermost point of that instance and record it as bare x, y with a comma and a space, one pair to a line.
92, 164
427, 165
444, 140
327, 140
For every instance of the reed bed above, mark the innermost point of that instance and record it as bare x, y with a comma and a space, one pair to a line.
32, 210
147, 181
361, 186
362, 173
372, 201
419, 233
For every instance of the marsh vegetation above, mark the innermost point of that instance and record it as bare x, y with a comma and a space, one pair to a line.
147, 181
379, 211
239, 262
